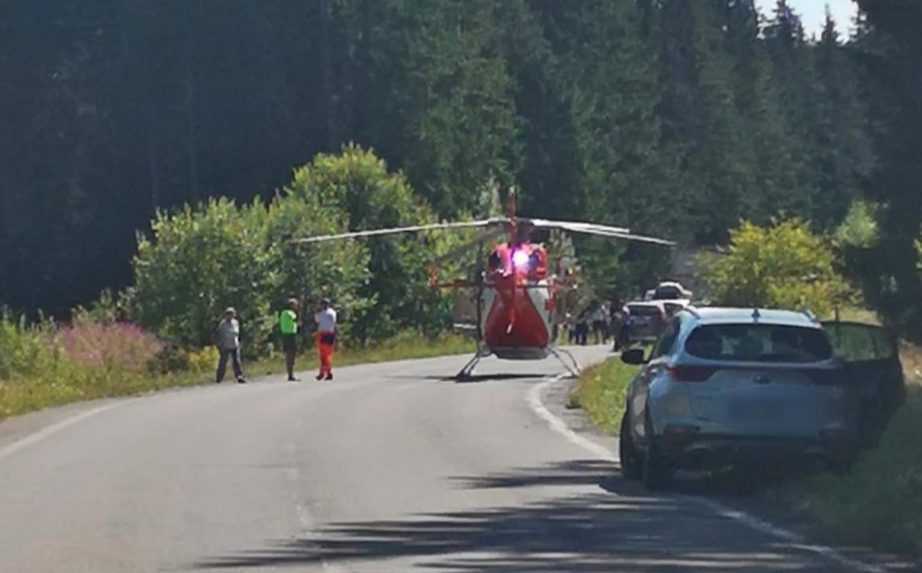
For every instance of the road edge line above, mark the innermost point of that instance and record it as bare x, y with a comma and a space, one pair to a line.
796, 540
49, 431
558, 425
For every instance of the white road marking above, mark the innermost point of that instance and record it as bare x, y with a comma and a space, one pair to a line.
559, 426
44, 433
795, 540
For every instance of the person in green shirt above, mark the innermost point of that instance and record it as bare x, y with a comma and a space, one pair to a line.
288, 326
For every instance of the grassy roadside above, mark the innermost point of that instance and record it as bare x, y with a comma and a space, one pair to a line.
402, 347
601, 392
879, 502
45, 378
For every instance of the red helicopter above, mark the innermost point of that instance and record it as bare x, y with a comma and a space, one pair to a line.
515, 294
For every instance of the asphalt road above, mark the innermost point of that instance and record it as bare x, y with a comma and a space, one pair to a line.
389, 468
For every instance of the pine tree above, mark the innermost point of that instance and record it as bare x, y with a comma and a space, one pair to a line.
844, 157
792, 74
700, 115
889, 45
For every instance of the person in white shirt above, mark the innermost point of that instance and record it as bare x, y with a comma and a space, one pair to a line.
326, 338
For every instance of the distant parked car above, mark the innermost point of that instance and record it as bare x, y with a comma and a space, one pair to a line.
645, 321
672, 306
728, 386
670, 290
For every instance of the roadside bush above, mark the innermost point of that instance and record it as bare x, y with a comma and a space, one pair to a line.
109, 346
42, 365
396, 295
783, 265
335, 269
171, 358
203, 360
202, 259
879, 502
199, 261
26, 350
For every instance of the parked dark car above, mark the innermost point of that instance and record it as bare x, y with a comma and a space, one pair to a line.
644, 321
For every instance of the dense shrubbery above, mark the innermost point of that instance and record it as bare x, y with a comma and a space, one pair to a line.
44, 364
396, 295
783, 265
202, 259
110, 346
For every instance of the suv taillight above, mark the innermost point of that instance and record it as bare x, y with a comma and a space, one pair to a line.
690, 373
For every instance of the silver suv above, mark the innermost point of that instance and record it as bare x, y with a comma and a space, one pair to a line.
729, 386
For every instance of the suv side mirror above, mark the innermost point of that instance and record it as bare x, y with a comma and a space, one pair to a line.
633, 356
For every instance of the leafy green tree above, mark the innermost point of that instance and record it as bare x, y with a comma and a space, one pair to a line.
199, 261
310, 272
783, 265
357, 183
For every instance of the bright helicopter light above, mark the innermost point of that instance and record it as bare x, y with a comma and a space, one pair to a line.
520, 259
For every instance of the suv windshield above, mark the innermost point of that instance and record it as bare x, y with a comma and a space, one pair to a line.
759, 343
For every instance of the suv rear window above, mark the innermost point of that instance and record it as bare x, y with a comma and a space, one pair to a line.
759, 343
643, 310
666, 293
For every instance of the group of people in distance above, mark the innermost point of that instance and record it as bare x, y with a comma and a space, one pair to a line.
290, 323
600, 318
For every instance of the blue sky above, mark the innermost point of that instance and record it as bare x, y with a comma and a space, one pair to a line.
813, 13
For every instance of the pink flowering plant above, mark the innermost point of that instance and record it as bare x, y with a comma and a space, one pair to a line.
111, 346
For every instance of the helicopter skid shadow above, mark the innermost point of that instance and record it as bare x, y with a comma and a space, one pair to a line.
475, 378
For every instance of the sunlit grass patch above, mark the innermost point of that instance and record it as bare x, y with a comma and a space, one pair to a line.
43, 366
405, 346
601, 392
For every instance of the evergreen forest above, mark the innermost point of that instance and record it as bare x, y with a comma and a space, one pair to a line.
676, 118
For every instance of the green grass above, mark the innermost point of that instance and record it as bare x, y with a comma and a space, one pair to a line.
601, 392
402, 347
879, 502
74, 384
50, 380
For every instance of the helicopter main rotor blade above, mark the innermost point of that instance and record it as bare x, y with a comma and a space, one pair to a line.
482, 237
398, 230
597, 230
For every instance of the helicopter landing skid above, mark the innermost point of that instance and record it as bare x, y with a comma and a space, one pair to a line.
468, 371
573, 367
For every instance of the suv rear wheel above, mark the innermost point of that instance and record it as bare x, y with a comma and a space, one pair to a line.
657, 472
631, 461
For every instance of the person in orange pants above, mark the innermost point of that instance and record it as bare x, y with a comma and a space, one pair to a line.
325, 338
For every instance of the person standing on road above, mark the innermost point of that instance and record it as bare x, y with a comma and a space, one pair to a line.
326, 338
288, 327
227, 339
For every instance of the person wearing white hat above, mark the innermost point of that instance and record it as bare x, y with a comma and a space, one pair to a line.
227, 339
